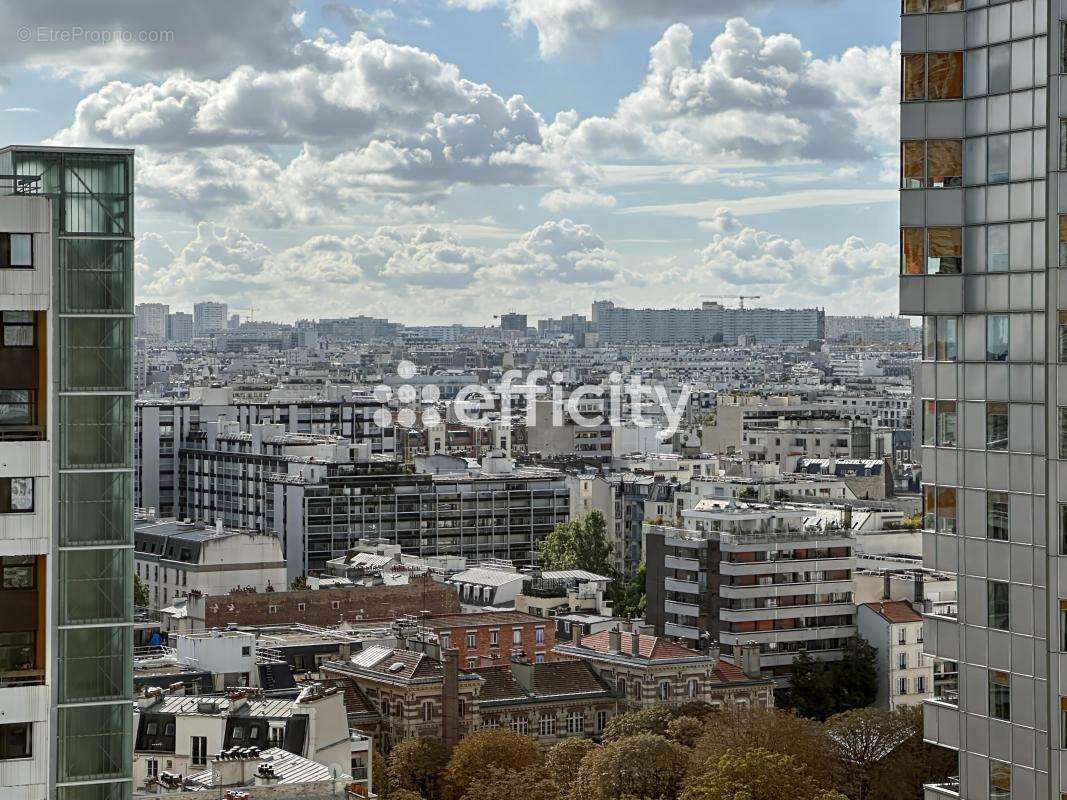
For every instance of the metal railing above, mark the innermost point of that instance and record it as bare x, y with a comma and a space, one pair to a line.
20, 184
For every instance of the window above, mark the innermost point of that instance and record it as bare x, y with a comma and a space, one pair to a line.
664, 690
576, 722
151, 767
539, 635
16, 251
427, 711
1062, 411
902, 685
996, 514
902, 661
999, 69
940, 338
996, 337
946, 423
17, 572
997, 248
521, 725
999, 780
601, 720
939, 509
546, 726
199, 751
17, 651
15, 741
16, 495
997, 605
902, 636
931, 251
920, 684
999, 695
1063, 240
996, 426
472, 663
931, 164
385, 706
931, 6
470, 640
516, 636
998, 158
933, 76
620, 687
18, 328
494, 638
539, 658
692, 689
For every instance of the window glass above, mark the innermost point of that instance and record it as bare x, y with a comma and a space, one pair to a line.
997, 337
999, 695
16, 407
929, 422
912, 166
946, 510
998, 156
944, 163
945, 76
946, 251
947, 338
929, 338
946, 423
999, 69
914, 6
929, 507
915, 77
937, 6
999, 781
1063, 240
996, 426
15, 740
997, 248
997, 515
998, 605
21, 250
912, 251
16, 495
1063, 432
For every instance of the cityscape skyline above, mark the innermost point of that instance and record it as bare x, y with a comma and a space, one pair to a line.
699, 164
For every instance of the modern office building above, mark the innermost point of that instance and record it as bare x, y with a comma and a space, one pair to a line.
209, 318
711, 322
66, 404
151, 320
180, 327
982, 218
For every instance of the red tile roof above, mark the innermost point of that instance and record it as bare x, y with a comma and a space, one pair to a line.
895, 611
653, 647
480, 619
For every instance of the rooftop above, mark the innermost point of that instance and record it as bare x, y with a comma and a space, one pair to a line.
894, 611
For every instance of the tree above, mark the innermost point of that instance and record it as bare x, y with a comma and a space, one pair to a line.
416, 765
686, 731
628, 596
564, 759
641, 766
579, 544
140, 592
756, 774
402, 794
532, 783
477, 755
821, 689
765, 729
648, 720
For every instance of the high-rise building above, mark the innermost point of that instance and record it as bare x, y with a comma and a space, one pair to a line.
151, 320
980, 216
66, 450
209, 318
709, 323
180, 327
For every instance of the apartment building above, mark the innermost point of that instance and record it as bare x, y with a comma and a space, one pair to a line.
493, 636
741, 573
66, 390
982, 218
150, 320
180, 327
895, 630
209, 318
812, 435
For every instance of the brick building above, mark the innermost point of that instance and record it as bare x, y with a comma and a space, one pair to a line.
493, 637
321, 607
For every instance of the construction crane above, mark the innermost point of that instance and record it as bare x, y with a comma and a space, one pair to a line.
741, 298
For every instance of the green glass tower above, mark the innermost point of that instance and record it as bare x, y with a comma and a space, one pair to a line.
84, 403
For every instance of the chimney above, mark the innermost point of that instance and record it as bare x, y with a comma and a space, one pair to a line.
885, 586
635, 643
576, 634
847, 518
450, 700
266, 776
615, 640
750, 660
919, 587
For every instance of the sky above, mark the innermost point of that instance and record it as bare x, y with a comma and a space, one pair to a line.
439, 161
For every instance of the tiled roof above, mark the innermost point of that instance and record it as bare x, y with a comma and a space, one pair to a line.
895, 611
653, 647
548, 680
500, 684
357, 703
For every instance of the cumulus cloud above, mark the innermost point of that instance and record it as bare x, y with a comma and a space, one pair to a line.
786, 272
755, 97
109, 37
394, 269
559, 200
558, 22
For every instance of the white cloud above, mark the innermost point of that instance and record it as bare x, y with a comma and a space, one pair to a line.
558, 22
766, 204
109, 37
560, 200
755, 97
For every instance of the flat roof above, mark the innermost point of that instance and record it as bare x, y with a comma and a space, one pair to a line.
110, 151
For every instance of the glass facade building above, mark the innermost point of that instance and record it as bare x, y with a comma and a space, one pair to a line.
85, 407
982, 213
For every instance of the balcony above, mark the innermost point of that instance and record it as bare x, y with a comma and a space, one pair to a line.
939, 791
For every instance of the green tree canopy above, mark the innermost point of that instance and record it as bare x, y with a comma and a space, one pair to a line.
477, 755
756, 774
821, 689
416, 765
644, 766
579, 544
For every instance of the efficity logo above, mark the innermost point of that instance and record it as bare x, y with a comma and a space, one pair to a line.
615, 402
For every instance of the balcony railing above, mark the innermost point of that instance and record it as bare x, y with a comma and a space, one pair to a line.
20, 184
21, 433
21, 677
